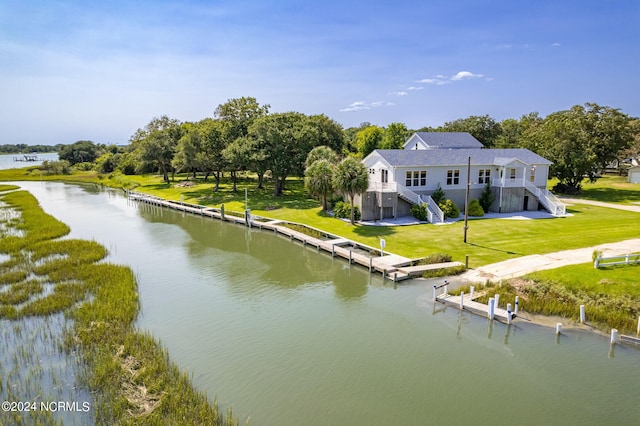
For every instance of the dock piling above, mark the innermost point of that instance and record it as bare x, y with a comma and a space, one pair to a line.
516, 308
472, 288
582, 314
508, 313
461, 300
614, 336
492, 307
558, 328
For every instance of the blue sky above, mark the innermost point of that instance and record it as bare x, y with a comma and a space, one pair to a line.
72, 70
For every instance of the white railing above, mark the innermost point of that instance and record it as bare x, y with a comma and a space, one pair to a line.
508, 182
434, 213
625, 259
383, 186
408, 194
548, 200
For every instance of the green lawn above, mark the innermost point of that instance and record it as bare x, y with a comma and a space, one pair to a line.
616, 281
489, 240
611, 189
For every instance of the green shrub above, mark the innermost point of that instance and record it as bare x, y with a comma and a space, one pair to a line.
450, 209
487, 198
438, 195
435, 258
83, 167
475, 209
343, 210
419, 211
61, 167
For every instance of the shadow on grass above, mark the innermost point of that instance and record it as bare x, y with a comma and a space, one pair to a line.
495, 249
374, 231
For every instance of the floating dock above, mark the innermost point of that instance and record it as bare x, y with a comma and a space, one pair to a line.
391, 266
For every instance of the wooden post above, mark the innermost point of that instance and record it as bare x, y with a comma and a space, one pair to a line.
508, 313
370, 264
581, 314
614, 336
435, 297
472, 288
558, 327
497, 297
221, 212
350, 256
516, 308
461, 300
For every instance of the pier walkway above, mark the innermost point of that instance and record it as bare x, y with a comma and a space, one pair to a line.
467, 302
391, 266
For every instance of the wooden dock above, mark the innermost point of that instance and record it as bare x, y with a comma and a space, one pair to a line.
391, 266
471, 305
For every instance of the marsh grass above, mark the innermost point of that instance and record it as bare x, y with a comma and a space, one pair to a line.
549, 297
129, 374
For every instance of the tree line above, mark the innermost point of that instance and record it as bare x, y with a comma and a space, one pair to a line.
244, 136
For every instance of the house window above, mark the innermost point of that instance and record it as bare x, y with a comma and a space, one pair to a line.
416, 178
372, 171
453, 177
532, 176
384, 175
512, 174
484, 175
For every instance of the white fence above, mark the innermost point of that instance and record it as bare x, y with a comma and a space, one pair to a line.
626, 259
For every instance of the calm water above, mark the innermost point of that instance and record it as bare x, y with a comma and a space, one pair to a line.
289, 336
8, 162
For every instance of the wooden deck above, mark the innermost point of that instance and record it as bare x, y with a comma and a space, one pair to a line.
474, 307
391, 266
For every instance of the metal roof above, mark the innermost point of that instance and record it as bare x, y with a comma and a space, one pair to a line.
447, 140
457, 157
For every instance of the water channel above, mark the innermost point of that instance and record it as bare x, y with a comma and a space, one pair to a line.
289, 336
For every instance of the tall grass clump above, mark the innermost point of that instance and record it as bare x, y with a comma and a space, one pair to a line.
546, 297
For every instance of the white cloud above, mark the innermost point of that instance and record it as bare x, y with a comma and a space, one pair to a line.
464, 75
556, 45
361, 105
399, 93
415, 88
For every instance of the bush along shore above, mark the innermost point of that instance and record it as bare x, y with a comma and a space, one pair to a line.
127, 373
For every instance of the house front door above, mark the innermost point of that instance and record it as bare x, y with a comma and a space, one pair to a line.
384, 175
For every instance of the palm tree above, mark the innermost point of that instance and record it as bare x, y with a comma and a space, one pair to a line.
318, 180
351, 178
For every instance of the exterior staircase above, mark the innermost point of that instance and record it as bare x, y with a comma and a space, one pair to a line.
548, 200
434, 214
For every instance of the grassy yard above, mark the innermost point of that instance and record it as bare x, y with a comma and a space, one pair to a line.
612, 189
489, 240
617, 281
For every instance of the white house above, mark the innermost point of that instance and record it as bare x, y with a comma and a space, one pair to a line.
634, 174
399, 178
